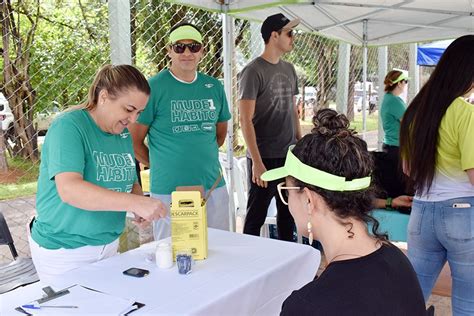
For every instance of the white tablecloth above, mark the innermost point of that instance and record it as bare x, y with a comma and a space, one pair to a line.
243, 275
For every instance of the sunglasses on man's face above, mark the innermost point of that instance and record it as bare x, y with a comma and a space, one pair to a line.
179, 48
289, 33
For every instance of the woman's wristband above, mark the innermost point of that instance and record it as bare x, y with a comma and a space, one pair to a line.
388, 202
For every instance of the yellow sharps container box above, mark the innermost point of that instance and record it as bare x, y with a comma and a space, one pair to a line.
189, 223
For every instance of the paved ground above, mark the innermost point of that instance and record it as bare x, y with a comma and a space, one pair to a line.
18, 214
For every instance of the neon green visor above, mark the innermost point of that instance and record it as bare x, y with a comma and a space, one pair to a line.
185, 32
295, 168
403, 76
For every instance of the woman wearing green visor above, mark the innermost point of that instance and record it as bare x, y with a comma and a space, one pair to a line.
328, 190
392, 109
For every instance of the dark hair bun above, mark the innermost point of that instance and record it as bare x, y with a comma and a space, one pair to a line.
328, 121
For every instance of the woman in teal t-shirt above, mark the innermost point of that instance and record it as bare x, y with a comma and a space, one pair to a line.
87, 173
393, 108
391, 180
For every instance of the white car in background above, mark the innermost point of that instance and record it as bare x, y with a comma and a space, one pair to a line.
6, 117
44, 119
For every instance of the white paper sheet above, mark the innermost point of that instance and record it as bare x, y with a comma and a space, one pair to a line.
88, 302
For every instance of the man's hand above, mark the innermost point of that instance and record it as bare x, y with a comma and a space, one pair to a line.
402, 201
257, 170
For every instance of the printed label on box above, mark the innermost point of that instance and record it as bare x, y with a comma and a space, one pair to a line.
189, 223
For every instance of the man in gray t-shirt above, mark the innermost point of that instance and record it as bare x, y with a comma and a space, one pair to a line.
269, 120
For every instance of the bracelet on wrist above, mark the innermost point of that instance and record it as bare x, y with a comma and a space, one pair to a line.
388, 202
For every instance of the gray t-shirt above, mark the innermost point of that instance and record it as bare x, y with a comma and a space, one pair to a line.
272, 86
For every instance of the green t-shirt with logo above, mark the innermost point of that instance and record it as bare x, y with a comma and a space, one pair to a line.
182, 120
392, 110
74, 143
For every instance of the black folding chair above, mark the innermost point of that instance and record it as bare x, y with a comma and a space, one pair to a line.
20, 271
430, 311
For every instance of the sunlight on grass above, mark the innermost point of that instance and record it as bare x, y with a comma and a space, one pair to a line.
371, 122
12, 191
25, 174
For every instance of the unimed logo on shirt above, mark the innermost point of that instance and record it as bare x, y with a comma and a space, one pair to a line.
114, 167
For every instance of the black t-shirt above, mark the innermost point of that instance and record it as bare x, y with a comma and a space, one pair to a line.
381, 283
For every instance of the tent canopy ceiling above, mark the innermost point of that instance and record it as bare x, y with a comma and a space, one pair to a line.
388, 21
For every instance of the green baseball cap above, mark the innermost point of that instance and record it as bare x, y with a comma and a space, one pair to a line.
295, 168
403, 76
185, 32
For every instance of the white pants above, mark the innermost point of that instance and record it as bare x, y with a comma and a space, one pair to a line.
217, 208
50, 263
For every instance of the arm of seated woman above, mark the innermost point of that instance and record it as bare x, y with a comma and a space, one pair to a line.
398, 202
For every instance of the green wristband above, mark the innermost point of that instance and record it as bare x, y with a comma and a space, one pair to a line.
388, 203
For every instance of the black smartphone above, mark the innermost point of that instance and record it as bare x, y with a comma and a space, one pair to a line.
136, 272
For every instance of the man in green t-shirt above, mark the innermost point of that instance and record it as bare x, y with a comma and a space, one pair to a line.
186, 122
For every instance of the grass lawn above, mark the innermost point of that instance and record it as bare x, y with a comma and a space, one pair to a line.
371, 122
19, 180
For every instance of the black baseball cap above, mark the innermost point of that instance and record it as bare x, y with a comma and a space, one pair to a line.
276, 22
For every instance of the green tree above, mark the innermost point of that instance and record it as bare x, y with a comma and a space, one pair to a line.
18, 33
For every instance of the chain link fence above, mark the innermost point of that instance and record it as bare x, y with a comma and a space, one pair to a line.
52, 50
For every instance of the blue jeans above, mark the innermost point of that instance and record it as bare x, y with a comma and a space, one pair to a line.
438, 232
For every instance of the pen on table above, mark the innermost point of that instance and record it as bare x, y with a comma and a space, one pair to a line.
31, 306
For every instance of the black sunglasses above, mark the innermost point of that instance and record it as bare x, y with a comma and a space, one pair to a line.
179, 48
289, 33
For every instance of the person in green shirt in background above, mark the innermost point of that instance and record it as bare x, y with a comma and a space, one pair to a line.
186, 123
392, 109
395, 191
87, 173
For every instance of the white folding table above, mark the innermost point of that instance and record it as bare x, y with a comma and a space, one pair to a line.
243, 275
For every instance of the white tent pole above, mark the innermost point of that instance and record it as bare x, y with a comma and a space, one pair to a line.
414, 73
383, 59
119, 32
343, 59
228, 39
364, 79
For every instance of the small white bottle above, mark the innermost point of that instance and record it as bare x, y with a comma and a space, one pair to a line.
164, 255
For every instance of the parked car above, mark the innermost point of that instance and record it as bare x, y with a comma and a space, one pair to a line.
6, 117
371, 104
44, 119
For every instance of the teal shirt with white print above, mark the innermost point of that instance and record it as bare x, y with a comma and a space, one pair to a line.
182, 120
74, 143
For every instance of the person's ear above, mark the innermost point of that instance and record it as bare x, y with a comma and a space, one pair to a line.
103, 95
275, 34
310, 200
314, 202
